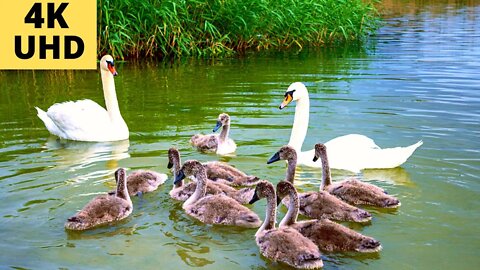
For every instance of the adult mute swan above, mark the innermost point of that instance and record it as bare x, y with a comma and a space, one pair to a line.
85, 120
352, 152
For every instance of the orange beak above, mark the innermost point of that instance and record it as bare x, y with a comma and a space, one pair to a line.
112, 69
286, 101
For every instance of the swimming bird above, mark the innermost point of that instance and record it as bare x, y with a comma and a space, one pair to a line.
143, 181
85, 120
283, 244
352, 152
225, 173
318, 204
351, 190
182, 192
213, 209
105, 208
326, 234
220, 144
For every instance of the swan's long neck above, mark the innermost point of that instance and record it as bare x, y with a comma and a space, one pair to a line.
224, 134
176, 168
292, 213
270, 213
290, 175
122, 191
200, 189
300, 123
110, 95
326, 174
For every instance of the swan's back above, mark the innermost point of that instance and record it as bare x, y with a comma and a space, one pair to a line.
184, 192
227, 174
388, 157
220, 209
74, 118
289, 246
321, 204
357, 192
355, 152
143, 181
101, 210
205, 143
331, 236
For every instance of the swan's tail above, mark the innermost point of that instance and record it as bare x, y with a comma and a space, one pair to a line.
49, 124
391, 157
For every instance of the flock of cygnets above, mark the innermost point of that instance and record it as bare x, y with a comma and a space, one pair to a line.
214, 197
219, 191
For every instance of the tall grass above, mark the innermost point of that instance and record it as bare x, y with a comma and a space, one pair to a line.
208, 28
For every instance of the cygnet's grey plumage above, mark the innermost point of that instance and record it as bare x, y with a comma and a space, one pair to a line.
351, 190
219, 143
182, 191
318, 204
285, 245
225, 173
104, 209
327, 235
213, 209
143, 181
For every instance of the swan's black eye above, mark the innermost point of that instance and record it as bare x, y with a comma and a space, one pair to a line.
110, 63
289, 93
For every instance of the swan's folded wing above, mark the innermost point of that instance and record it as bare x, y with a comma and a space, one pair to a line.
205, 142
352, 141
79, 117
103, 207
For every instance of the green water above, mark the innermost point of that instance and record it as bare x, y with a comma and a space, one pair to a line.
418, 79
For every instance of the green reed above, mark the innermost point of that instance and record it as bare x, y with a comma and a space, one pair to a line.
210, 28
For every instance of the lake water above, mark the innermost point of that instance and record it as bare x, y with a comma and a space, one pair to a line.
419, 78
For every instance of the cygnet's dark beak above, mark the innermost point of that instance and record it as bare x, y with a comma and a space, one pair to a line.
315, 158
219, 125
275, 157
169, 165
179, 177
254, 198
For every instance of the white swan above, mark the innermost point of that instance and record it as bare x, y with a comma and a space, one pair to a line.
352, 152
85, 120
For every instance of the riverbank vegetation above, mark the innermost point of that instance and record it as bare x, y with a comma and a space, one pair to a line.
211, 28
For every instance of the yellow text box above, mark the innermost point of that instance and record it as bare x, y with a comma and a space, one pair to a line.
79, 15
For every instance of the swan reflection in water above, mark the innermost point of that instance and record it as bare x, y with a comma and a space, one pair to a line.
74, 156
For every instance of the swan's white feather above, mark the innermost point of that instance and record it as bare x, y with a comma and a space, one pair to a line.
82, 120
49, 124
226, 147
